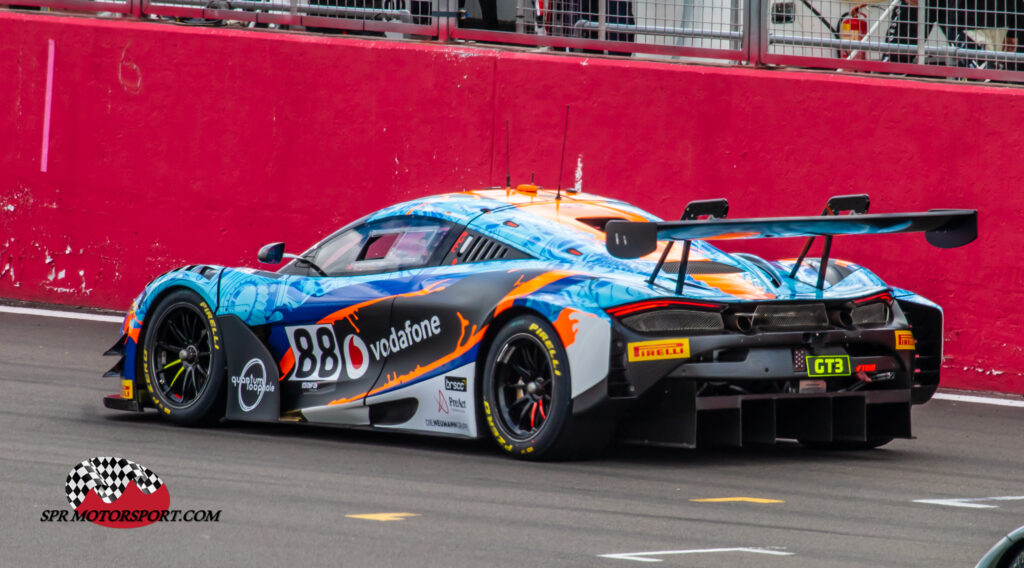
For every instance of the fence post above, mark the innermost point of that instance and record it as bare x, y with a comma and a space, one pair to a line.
922, 29
755, 32
446, 16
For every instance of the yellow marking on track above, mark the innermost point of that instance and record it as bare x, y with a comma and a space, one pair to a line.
383, 517
738, 499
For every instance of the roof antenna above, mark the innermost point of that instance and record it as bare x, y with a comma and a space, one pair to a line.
561, 163
508, 154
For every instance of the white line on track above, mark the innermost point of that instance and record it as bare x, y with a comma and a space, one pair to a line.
980, 399
648, 556
60, 314
970, 503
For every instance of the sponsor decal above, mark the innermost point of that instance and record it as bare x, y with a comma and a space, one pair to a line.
127, 389
442, 402
316, 352
457, 384
119, 493
404, 337
357, 358
866, 368
457, 404
828, 365
449, 424
252, 384
904, 339
659, 349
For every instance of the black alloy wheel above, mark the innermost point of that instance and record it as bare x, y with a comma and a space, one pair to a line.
527, 396
183, 360
523, 376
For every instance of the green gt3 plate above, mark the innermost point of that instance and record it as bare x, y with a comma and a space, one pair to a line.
828, 365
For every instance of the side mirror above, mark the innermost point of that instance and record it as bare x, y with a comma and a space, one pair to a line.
271, 254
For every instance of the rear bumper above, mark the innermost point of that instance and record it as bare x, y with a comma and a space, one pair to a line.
681, 419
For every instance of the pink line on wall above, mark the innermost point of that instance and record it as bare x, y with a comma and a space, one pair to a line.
44, 158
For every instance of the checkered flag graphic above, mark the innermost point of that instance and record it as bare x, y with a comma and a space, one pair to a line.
109, 477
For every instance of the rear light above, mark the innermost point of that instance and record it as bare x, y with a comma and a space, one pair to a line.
883, 297
872, 311
670, 316
626, 309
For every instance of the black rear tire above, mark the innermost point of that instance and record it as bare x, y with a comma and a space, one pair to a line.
182, 360
527, 396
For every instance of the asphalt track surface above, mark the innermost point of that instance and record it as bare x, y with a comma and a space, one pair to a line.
285, 490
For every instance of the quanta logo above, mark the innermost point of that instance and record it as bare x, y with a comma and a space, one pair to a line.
116, 492
252, 384
357, 359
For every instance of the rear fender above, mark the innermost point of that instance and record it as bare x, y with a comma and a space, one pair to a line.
926, 323
584, 332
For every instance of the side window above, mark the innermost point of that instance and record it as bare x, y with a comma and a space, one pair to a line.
384, 246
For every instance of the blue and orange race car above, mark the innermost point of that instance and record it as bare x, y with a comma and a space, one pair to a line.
551, 323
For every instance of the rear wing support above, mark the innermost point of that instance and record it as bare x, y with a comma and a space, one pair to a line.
709, 208
837, 204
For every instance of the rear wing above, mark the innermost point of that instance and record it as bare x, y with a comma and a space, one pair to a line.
943, 228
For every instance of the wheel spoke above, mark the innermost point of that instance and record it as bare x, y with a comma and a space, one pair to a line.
178, 374
174, 329
519, 370
189, 380
168, 347
172, 363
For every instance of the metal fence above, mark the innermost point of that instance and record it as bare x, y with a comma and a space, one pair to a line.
963, 39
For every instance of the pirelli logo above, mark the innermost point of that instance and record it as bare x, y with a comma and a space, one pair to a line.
904, 340
660, 349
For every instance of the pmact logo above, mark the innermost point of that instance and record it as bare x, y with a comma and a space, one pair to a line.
116, 492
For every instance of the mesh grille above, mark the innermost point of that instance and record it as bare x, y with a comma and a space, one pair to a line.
794, 316
872, 315
689, 321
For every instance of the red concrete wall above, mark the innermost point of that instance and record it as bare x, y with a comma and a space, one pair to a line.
172, 145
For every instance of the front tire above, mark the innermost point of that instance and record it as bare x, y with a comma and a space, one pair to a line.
527, 396
183, 360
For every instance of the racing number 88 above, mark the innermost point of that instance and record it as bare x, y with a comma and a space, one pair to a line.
315, 356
